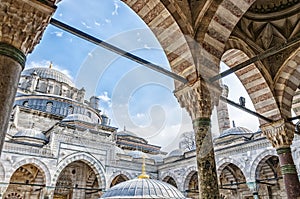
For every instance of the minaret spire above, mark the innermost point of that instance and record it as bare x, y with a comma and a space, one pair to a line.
143, 174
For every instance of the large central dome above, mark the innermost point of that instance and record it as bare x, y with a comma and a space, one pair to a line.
48, 73
143, 188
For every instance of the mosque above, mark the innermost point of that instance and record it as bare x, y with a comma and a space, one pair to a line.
59, 145
56, 144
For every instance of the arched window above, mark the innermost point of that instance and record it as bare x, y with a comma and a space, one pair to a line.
70, 110
49, 106
89, 114
25, 103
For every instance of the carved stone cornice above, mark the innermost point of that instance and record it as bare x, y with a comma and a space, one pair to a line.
22, 22
198, 99
279, 133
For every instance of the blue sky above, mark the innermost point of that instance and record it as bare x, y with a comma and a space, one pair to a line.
131, 95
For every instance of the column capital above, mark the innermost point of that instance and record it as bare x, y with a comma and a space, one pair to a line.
22, 22
280, 133
198, 98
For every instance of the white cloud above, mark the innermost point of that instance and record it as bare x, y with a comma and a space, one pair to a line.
85, 25
105, 98
58, 33
97, 23
117, 6
107, 20
60, 14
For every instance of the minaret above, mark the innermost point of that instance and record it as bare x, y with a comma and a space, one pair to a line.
222, 111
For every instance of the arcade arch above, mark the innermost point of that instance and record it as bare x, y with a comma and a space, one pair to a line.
27, 181
170, 180
191, 186
233, 182
118, 179
269, 178
218, 15
77, 180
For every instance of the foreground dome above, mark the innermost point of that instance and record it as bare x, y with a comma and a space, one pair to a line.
143, 188
48, 73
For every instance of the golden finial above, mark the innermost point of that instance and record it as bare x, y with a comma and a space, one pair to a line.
144, 174
51, 65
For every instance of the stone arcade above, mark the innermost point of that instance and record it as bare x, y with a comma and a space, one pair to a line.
200, 35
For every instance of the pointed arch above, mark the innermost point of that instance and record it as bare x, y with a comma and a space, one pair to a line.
86, 158
286, 83
39, 164
119, 173
166, 28
258, 159
170, 175
187, 177
255, 84
221, 164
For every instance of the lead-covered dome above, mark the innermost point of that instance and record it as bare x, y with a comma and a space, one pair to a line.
143, 188
30, 136
31, 133
77, 117
176, 152
48, 73
236, 131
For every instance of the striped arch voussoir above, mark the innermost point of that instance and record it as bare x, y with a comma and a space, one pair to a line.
286, 83
39, 164
257, 161
226, 161
86, 158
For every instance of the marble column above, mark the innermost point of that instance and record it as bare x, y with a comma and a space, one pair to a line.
281, 134
22, 23
197, 100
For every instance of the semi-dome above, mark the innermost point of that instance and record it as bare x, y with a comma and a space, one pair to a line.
176, 152
158, 157
77, 117
48, 73
236, 131
31, 133
143, 188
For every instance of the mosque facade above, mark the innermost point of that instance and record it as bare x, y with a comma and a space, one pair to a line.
59, 145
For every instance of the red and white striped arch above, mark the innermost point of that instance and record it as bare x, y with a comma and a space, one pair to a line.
287, 81
166, 29
255, 83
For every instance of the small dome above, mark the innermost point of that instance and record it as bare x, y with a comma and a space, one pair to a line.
125, 132
176, 152
235, 131
137, 154
77, 117
158, 157
31, 133
143, 188
48, 73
